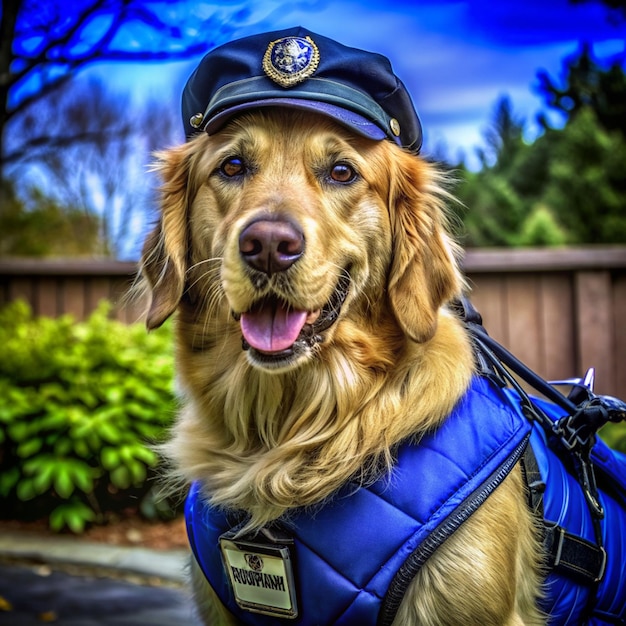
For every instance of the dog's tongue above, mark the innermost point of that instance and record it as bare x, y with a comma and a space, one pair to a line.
273, 327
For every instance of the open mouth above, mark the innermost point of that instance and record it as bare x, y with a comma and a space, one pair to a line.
275, 330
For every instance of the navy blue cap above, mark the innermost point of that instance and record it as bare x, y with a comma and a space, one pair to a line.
296, 68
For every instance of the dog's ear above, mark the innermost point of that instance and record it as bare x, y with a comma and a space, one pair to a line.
424, 271
164, 254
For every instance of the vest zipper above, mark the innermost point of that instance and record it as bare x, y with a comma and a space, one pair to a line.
408, 570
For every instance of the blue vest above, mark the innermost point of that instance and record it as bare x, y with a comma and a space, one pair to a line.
356, 554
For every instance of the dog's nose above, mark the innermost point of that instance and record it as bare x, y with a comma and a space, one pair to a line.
271, 246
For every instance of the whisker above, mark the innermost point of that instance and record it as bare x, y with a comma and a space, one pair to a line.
207, 274
216, 259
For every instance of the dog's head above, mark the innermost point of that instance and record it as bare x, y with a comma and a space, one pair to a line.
281, 229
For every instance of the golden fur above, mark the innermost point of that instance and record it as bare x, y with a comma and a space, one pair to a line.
267, 437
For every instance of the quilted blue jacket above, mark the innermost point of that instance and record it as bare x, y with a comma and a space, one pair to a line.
355, 556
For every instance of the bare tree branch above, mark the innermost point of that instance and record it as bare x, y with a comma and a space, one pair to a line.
26, 150
105, 173
43, 44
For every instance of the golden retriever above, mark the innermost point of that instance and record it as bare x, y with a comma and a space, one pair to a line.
330, 254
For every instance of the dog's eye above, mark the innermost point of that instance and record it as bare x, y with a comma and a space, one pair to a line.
342, 173
233, 166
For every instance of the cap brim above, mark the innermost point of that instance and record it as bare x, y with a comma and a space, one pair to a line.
350, 119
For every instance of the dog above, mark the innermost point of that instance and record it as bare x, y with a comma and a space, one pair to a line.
305, 249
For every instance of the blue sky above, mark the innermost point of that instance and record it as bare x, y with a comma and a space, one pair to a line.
455, 57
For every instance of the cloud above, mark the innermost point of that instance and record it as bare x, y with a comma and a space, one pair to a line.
455, 57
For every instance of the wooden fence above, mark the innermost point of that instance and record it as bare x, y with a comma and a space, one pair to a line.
55, 287
559, 311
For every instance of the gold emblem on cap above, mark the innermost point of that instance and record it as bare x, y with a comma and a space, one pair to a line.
291, 60
395, 126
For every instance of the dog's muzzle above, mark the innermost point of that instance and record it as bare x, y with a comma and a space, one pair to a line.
276, 332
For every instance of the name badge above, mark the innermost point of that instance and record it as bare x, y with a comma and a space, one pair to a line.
260, 570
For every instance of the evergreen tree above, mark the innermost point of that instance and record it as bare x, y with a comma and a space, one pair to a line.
569, 185
588, 84
587, 183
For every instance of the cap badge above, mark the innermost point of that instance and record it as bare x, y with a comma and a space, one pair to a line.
291, 60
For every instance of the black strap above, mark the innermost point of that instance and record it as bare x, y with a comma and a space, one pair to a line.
535, 485
485, 344
574, 556
566, 553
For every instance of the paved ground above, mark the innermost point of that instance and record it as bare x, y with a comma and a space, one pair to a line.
70, 583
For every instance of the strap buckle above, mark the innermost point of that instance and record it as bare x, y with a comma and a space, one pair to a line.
600, 575
569, 553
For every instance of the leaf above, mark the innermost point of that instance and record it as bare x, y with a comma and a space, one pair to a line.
140, 411
114, 395
37, 463
121, 477
149, 457
76, 521
55, 418
137, 471
108, 432
42, 481
82, 475
81, 448
26, 489
74, 514
57, 519
109, 457
29, 447
19, 432
8, 480
63, 484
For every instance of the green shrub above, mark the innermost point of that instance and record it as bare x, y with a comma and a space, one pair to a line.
80, 405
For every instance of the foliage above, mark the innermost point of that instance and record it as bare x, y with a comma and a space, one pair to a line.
80, 405
587, 84
503, 138
540, 228
104, 181
587, 187
44, 228
568, 186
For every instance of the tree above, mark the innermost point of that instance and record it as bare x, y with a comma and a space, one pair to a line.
586, 187
503, 137
568, 186
495, 209
78, 148
44, 44
108, 177
107, 180
588, 84
491, 211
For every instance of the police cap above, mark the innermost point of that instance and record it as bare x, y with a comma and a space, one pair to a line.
296, 68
